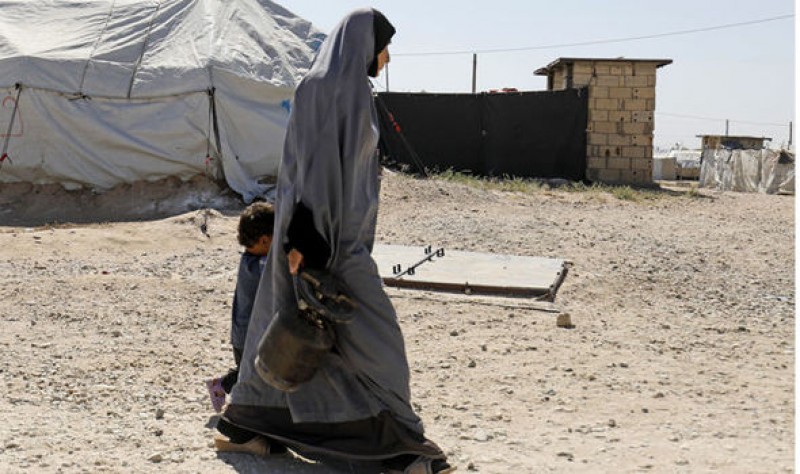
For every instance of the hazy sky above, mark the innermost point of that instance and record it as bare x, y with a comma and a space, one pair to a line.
744, 74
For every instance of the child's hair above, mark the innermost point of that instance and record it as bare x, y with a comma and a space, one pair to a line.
257, 219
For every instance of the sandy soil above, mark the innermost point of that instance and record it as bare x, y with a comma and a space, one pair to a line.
681, 358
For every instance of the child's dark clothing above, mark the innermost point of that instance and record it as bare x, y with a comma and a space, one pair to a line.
229, 380
250, 269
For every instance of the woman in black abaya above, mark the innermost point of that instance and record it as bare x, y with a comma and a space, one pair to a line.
357, 406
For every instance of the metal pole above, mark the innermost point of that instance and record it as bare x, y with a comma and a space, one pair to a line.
790, 135
474, 72
726, 127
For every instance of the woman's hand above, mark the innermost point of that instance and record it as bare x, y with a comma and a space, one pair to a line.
295, 260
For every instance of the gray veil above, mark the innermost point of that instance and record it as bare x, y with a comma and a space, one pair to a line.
330, 166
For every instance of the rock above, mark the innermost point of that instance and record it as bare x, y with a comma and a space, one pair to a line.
156, 458
564, 454
159, 413
481, 436
564, 321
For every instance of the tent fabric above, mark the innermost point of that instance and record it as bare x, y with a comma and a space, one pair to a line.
754, 171
101, 142
150, 48
777, 173
126, 90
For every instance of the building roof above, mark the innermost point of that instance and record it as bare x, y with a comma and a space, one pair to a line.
735, 137
561, 61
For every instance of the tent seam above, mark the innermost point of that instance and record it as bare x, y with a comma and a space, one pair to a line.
144, 49
94, 48
75, 95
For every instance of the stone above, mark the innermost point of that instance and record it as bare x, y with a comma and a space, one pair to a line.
481, 436
564, 320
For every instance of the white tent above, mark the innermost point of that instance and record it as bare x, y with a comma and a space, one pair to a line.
95, 93
751, 171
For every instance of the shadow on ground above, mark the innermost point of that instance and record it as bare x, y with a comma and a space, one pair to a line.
30, 205
249, 464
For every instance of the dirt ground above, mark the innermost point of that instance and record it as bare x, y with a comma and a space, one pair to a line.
681, 358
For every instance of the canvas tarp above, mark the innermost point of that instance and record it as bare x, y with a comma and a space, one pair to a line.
755, 171
102, 92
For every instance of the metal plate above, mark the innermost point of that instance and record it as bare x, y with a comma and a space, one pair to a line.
470, 272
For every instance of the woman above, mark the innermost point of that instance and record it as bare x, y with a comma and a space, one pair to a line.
357, 406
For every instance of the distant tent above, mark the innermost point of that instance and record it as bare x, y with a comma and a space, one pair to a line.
102, 92
754, 171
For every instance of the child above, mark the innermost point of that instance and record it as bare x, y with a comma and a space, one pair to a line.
256, 226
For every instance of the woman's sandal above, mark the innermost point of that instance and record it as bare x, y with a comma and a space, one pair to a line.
258, 446
425, 465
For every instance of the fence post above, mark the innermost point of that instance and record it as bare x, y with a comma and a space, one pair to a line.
474, 71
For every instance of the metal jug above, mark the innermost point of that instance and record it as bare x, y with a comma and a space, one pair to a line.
295, 343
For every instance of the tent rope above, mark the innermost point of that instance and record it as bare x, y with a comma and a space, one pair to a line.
215, 127
209, 159
4, 155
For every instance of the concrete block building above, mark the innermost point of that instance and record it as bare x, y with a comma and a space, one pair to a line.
738, 142
622, 101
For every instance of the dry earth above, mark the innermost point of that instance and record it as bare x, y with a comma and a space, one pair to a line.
681, 358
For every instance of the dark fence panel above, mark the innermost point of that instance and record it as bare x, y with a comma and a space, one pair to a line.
527, 134
443, 129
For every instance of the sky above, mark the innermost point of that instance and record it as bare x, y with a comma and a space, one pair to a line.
743, 74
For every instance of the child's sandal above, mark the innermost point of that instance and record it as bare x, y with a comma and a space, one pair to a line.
217, 394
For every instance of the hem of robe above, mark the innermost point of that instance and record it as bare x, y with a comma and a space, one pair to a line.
375, 438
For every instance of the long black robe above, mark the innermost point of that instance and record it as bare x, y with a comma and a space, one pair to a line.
358, 403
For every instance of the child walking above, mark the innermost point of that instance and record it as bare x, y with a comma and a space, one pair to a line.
256, 226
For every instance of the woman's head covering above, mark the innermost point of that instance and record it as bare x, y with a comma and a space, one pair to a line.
383, 31
329, 152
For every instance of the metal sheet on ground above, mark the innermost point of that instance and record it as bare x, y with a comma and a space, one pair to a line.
470, 272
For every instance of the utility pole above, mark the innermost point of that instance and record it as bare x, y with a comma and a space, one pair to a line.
726, 127
474, 71
790, 135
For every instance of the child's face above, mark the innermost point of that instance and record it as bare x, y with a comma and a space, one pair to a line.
261, 248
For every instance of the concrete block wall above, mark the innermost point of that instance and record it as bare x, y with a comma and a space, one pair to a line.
622, 102
620, 125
